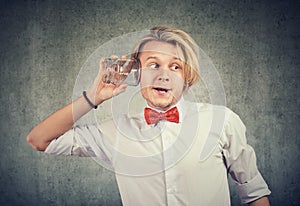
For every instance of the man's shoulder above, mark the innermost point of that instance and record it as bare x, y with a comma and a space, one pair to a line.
207, 110
206, 107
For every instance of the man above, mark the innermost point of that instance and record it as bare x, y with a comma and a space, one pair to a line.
156, 154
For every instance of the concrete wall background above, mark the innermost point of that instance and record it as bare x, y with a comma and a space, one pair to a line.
43, 44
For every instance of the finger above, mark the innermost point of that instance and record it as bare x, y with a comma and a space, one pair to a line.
101, 63
120, 89
113, 64
101, 66
124, 57
104, 74
114, 56
100, 71
123, 60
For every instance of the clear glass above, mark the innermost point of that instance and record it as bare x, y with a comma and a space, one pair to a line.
120, 71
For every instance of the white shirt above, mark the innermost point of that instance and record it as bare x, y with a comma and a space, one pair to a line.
169, 163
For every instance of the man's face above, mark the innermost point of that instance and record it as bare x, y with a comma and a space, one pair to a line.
162, 77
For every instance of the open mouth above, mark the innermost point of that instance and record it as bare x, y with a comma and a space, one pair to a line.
161, 90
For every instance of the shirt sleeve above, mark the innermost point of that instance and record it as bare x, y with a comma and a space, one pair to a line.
240, 161
83, 141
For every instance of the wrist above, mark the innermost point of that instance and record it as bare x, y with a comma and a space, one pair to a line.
94, 97
89, 100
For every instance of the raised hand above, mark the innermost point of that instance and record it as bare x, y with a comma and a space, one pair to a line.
101, 89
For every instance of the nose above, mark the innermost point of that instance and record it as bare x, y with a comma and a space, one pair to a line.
164, 75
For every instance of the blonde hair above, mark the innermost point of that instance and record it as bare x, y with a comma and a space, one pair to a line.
187, 49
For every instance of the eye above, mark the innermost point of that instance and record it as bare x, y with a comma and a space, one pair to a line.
154, 66
175, 67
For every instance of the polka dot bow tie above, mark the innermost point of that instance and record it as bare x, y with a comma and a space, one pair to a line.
152, 116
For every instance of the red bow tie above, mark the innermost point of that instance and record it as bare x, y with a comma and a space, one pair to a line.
152, 116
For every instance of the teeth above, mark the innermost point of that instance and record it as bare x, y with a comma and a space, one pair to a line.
161, 89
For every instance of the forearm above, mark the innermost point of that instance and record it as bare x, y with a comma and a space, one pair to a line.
263, 201
57, 124
62, 120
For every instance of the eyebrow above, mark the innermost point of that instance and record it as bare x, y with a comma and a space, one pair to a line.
151, 57
154, 57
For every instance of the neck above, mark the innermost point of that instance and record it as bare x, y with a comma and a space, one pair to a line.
165, 108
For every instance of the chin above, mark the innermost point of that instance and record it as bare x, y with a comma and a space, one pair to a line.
162, 104
157, 100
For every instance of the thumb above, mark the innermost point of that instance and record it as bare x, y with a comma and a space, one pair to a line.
120, 89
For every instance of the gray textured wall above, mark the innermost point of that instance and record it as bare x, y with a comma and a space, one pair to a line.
43, 44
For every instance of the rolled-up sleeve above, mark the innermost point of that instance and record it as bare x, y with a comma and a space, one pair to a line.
62, 145
83, 141
240, 160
